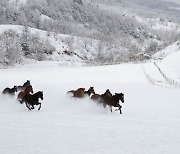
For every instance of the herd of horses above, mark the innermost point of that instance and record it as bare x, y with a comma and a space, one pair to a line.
27, 96
106, 99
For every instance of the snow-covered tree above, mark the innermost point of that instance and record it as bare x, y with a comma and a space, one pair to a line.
10, 48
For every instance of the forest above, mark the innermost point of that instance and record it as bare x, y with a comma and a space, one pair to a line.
118, 33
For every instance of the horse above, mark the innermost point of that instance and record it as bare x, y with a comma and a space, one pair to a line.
21, 94
89, 91
33, 99
79, 93
27, 83
113, 101
98, 97
10, 91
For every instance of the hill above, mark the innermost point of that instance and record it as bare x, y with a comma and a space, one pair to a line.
97, 33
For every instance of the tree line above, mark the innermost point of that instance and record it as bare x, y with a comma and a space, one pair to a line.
87, 19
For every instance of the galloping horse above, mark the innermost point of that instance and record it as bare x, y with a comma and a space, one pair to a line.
98, 97
27, 83
89, 91
80, 92
108, 99
10, 91
113, 100
21, 94
32, 100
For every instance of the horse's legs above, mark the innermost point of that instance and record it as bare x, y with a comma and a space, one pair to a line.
32, 106
22, 101
39, 106
111, 108
28, 106
120, 109
104, 104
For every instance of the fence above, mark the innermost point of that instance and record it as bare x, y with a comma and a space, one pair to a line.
169, 84
169, 80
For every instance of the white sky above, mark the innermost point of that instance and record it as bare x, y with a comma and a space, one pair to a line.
178, 1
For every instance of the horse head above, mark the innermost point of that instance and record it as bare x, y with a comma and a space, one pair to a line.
27, 83
90, 91
41, 95
15, 88
120, 96
29, 89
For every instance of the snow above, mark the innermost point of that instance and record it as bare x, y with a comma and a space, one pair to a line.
170, 64
167, 51
149, 123
158, 24
17, 3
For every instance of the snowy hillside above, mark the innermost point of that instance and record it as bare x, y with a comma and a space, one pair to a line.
170, 64
67, 50
61, 43
87, 32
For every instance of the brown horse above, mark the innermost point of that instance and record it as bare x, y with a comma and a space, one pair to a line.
108, 99
10, 91
79, 93
98, 97
23, 93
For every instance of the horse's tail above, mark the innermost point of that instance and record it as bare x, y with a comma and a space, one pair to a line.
5, 91
71, 91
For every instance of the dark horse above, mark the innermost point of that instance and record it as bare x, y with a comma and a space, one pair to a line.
10, 91
113, 100
32, 100
23, 87
89, 91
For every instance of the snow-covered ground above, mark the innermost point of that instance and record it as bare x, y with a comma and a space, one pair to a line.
149, 123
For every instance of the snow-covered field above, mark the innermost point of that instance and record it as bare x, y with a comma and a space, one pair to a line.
150, 123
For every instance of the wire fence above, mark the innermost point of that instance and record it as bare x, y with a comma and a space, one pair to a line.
170, 83
169, 80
